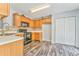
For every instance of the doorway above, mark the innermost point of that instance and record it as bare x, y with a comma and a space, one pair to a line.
46, 32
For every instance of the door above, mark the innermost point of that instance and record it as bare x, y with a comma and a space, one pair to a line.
65, 31
46, 34
70, 30
60, 31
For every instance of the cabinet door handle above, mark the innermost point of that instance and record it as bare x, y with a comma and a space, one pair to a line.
17, 44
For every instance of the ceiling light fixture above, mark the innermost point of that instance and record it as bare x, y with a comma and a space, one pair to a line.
38, 8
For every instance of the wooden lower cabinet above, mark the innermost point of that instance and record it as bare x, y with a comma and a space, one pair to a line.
36, 36
12, 49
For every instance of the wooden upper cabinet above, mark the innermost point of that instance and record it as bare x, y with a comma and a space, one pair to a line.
17, 20
37, 24
27, 20
31, 23
40, 23
46, 20
4, 9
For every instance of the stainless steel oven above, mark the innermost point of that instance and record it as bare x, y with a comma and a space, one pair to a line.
27, 37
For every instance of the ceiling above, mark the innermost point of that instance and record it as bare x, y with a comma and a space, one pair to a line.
54, 9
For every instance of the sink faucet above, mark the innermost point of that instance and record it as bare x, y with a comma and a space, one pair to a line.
2, 24
7, 27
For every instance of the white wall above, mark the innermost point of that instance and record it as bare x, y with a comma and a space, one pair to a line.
9, 19
53, 30
68, 14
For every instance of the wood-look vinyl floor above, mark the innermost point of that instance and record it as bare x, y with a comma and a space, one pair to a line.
47, 49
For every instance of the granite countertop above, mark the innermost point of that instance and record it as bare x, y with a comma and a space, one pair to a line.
8, 32
9, 39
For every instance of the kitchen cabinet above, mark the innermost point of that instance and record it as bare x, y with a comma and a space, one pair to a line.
32, 24
17, 20
46, 21
33, 36
25, 19
12, 49
37, 24
40, 23
37, 36
4, 9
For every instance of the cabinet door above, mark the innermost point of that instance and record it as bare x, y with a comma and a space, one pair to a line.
70, 30
19, 48
36, 36
12, 49
41, 23
25, 19
4, 9
60, 31
48, 21
31, 23
16, 48
17, 20
5, 50
33, 35
37, 24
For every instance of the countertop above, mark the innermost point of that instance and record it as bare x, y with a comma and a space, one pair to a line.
33, 31
9, 39
8, 32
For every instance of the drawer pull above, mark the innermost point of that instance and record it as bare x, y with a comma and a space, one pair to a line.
17, 44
